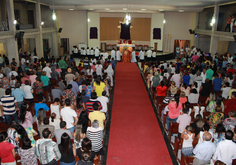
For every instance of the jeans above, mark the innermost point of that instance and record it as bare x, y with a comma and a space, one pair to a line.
168, 119
72, 163
19, 104
177, 55
227, 26
8, 118
53, 162
72, 129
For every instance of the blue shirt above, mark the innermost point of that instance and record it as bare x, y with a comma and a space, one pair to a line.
113, 63
186, 79
37, 106
224, 64
217, 84
75, 87
204, 150
18, 94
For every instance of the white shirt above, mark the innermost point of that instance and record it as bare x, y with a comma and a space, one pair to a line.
1, 60
149, 53
154, 54
83, 52
187, 49
13, 73
225, 92
89, 73
225, 152
113, 54
133, 57
88, 52
203, 77
103, 100
28, 91
181, 51
141, 55
48, 71
22, 61
68, 115
94, 61
99, 69
105, 55
118, 54
92, 52
96, 52
75, 50
205, 150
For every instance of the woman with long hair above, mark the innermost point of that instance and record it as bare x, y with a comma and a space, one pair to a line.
56, 107
99, 86
213, 104
161, 89
219, 134
40, 116
68, 150
38, 86
26, 116
54, 121
27, 153
79, 104
174, 110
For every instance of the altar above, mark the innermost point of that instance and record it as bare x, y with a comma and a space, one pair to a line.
128, 46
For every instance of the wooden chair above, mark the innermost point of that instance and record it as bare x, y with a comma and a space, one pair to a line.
173, 129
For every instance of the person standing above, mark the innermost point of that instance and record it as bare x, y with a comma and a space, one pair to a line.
88, 52
204, 151
133, 57
141, 55
63, 65
19, 95
149, 55
118, 54
228, 23
113, 53
47, 150
97, 53
69, 116
91, 54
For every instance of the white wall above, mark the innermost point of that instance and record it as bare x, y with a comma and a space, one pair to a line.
94, 22
157, 22
177, 26
74, 26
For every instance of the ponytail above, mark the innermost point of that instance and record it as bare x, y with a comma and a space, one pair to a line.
176, 96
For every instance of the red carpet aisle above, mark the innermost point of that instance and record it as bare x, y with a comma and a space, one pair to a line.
135, 135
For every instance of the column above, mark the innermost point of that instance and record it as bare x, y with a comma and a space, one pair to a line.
12, 50
55, 44
214, 39
39, 37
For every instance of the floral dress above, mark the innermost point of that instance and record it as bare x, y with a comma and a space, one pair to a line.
215, 118
28, 157
38, 87
88, 90
68, 94
212, 106
30, 131
229, 124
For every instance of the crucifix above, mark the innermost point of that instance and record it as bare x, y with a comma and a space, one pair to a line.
125, 27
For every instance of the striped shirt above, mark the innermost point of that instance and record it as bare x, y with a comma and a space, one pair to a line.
96, 136
47, 150
8, 103
89, 104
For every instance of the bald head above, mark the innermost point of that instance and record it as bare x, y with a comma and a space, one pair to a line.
206, 136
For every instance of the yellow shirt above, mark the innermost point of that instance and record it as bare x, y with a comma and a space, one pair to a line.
97, 115
99, 88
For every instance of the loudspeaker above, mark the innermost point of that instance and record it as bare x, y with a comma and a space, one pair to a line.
190, 31
235, 38
60, 29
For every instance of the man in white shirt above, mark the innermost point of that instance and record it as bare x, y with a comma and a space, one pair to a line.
69, 116
176, 78
154, 55
118, 54
103, 100
13, 72
113, 53
204, 151
91, 53
226, 149
133, 56
97, 53
105, 56
48, 70
187, 49
23, 63
141, 55
203, 75
83, 52
34, 56
181, 52
149, 55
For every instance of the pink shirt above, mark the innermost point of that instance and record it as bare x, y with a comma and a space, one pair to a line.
93, 67
183, 121
195, 58
173, 111
28, 120
32, 79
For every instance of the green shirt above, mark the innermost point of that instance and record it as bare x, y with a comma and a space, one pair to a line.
62, 64
209, 74
45, 80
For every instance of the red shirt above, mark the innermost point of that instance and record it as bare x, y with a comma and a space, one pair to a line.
6, 152
230, 70
161, 91
230, 105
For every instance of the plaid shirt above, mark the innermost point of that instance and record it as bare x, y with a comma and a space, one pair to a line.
47, 150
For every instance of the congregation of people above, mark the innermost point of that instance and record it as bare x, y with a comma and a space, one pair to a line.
54, 111
196, 94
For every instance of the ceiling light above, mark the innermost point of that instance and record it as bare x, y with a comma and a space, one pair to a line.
164, 21
143, 9
181, 11
124, 8
14, 22
107, 9
42, 23
90, 9
88, 20
54, 17
71, 9
161, 10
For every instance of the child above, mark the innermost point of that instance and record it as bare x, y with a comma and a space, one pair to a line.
188, 136
183, 121
54, 121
